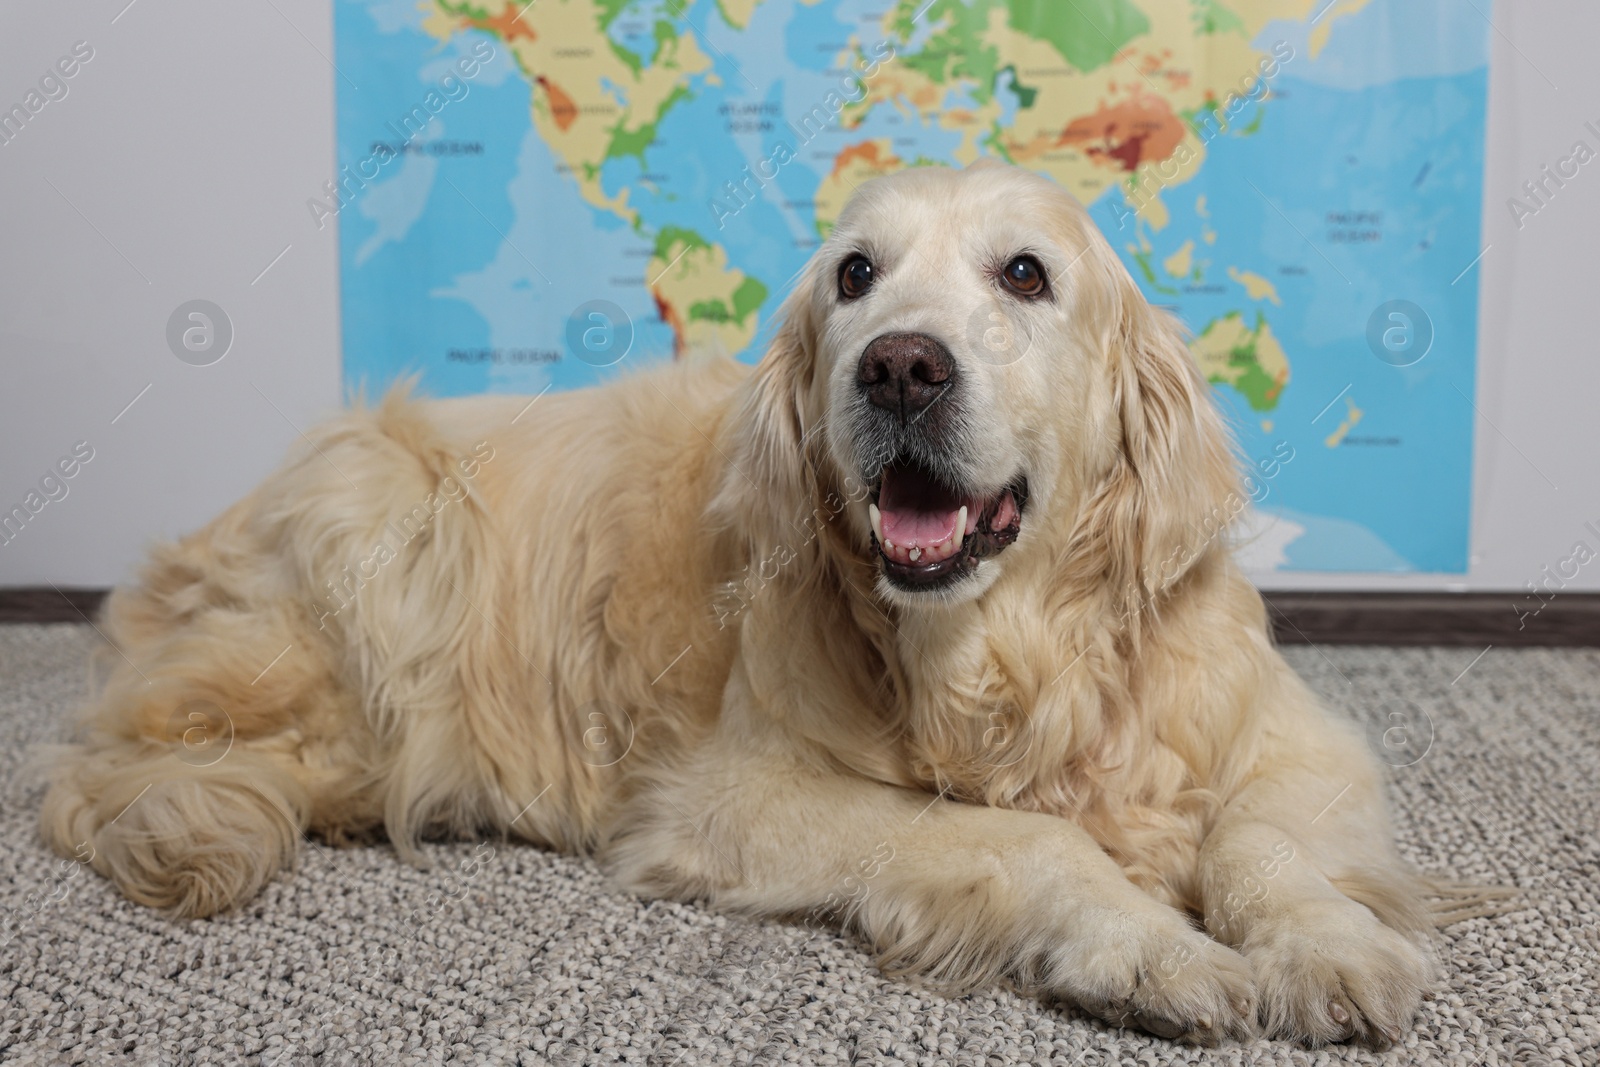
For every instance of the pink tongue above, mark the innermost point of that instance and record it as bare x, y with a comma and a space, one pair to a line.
916, 510
919, 528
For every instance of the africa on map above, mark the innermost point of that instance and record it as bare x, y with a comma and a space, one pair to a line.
548, 194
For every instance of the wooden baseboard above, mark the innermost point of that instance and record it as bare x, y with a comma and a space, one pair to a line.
49, 604
1339, 618
1330, 618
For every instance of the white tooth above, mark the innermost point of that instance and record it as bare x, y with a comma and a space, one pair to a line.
916, 554
961, 530
877, 520
889, 545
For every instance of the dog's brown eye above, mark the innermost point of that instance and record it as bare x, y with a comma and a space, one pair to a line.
855, 277
1024, 276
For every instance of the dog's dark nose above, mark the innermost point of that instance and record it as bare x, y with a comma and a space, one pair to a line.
905, 372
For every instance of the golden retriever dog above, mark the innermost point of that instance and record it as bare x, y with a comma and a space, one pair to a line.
926, 625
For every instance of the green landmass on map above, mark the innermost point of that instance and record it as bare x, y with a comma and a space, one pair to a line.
1247, 358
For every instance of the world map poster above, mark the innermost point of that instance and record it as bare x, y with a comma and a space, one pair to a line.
548, 194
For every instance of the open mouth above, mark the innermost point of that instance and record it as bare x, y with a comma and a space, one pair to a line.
929, 535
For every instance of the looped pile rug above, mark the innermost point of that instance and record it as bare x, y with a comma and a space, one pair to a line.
503, 953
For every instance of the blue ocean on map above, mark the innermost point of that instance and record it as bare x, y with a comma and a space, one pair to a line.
1377, 485
1354, 186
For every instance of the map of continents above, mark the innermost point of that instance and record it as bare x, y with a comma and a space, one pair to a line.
546, 194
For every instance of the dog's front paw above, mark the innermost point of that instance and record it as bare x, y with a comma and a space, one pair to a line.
1330, 971
1164, 977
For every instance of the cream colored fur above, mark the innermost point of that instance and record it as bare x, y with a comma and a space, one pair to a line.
646, 621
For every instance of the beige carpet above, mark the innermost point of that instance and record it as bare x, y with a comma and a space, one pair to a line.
506, 954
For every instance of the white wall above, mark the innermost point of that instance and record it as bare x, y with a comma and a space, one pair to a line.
177, 167
179, 163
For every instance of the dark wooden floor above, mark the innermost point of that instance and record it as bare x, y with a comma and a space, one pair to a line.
1298, 617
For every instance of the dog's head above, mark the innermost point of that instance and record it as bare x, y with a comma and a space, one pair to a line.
969, 371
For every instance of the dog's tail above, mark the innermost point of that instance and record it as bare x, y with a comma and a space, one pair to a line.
187, 790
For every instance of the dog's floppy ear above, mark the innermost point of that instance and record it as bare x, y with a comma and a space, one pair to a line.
771, 484
1174, 485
